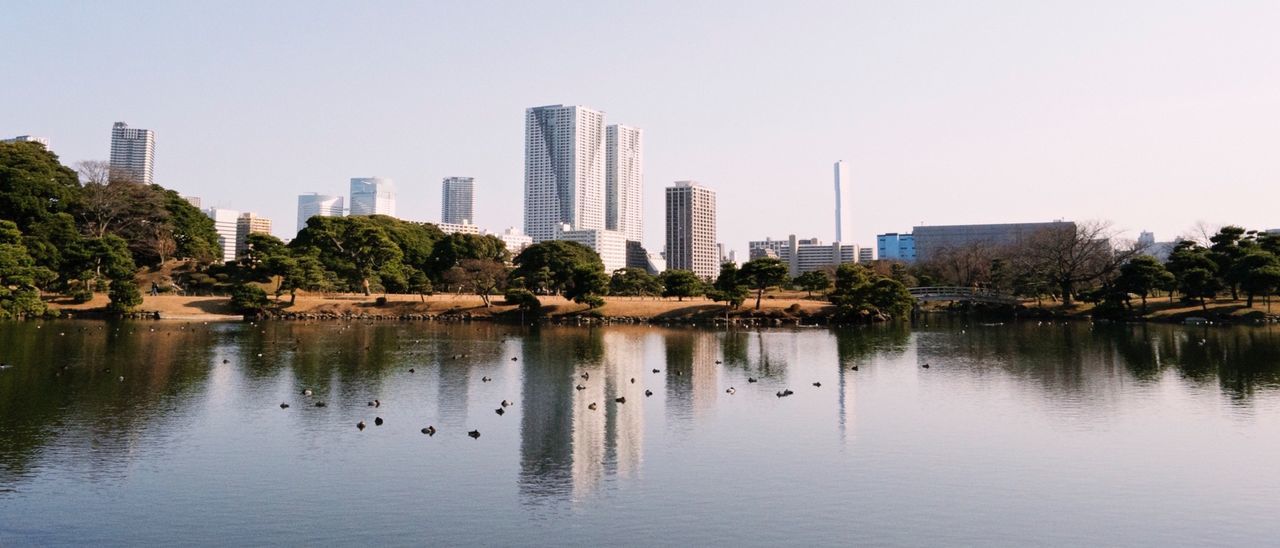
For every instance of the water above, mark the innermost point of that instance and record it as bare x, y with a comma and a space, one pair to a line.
1020, 434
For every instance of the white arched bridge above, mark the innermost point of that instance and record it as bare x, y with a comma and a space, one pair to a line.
972, 294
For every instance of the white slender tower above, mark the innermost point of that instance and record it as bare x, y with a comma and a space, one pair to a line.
844, 204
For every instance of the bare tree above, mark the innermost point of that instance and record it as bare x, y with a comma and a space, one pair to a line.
483, 276
94, 172
1074, 256
965, 265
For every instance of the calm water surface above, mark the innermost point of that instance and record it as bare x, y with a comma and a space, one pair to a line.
1019, 434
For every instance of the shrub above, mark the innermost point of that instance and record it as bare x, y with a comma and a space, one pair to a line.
125, 296
523, 299
380, 301
249, 298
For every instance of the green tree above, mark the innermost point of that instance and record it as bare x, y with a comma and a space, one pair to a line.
355, 248
248, 298
421, 284
634, 282
729, 287
1250, 271
761, 274
586, 285
814, 280
38, 194
1143, 275
1224, 249
452, 249
551, 266
1263, 281
19, 276
859, 291
304, 273
1199, 283
484, 277
680, 284
125, 296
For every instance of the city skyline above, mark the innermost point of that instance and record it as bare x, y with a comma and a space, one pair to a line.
1055, 128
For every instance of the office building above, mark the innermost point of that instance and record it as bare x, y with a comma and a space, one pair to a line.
932, 240
691, 229
225, 223
317, 205
246, 224
896, 247
611, 245
372, 196
458, 228
133, 153
564, 159
27, 139
803, 255
866, 255
457, 200
515, 240
844, 203
624, 180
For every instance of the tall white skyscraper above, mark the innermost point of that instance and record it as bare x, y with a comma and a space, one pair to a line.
133, 153
225, 223
844, 203
372, 196
457, 204
691, 229
563, 170
623, 180
313, 205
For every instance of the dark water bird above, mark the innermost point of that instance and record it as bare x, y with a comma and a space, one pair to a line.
924, 365
284, 406
751, 379
585, 375
655, 371
226, 361
377, 403
513, 358
731, 390
411, 370
648, 393
718, 362
506, 403
475, 434
591, 406
377, 421
785, 393
500, 411
306, 392
579, 387
370, 404
360, 425
633, 380
485, 379
620, 399
854, 368
430, 430
817, 384
320, 404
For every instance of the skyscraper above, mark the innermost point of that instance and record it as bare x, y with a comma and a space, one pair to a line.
132, 153
563, 170
224, 223
313, 205
844, 204
457, 204
691, 229
246, 224
372, 196
623, 180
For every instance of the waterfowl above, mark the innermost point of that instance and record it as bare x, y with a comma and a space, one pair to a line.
679, 373
411, 370
430, 430
500, 411
591, 406
817, 384
377, 421
121, 379
718, 362
785, 393
226, 361
853, 368
633, 380
655, 370
620, 399
648, 393
370, 404
924, 365
475, 434
731, 390
585, 375
751, 379
360, 425
320, 404
284, 406
514, 358
506, 403
579, 387
377, 403
485, 379
306, 392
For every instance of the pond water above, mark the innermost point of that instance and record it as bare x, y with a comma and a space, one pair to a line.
162, 433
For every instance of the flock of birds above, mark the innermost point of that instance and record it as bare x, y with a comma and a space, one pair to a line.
430, 430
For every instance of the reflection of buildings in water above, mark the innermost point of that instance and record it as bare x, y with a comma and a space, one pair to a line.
453, 386
624, 427
847, 402
546, 419
692, 375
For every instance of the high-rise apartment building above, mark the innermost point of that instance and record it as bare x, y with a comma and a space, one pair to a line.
624, 180
225, 222
133, 153
246, 224
564, 159
457, 204
691, 229
372, 196
317, 205
844, 203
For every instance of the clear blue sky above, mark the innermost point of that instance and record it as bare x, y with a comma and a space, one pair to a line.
1152, 114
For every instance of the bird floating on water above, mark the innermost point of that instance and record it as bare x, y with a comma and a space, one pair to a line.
500, 411
854, 368
320, 404
514, 358
475, 434
620, 399
411, 370
284, 406
817, 384
306, 392
377, 421
579, 387
655, 371
485, 379
506, 403
648, 393
731, 390
430, 430
785, 393
633, 380
924, 366
718, 362
360, 425
751, 379
591, 406
585, 375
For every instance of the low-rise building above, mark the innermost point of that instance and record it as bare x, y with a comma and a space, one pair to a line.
515, 240
866, 255
803, 255
930, 241
458, 228
896, 247
611, 245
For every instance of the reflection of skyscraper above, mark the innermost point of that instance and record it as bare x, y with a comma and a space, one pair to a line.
546, 418
624, 429
692, 374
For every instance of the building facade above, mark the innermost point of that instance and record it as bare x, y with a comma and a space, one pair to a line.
691, 229
563, 170
866, 255
896, 247
225, 223
515, 240
844, 203
246, 224
457, 200
624, 181
317, 205
458, 228
27, 139
133, 153
372, 196
803, 255
932, 240
611, 245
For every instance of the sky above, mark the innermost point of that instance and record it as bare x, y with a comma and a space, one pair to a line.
1151, 115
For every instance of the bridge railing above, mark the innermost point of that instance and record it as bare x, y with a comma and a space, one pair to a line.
958, 293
